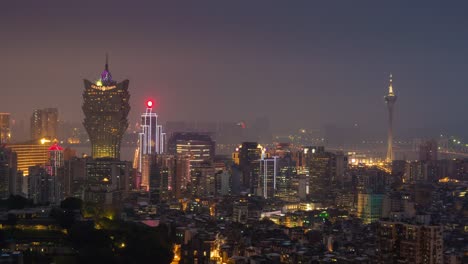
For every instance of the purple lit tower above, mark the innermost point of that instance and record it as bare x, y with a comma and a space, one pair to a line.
390, 99
106, 107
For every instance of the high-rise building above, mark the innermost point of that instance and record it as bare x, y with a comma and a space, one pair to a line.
41, 185
151, 142
151, 137
55, 159
5, 131
369, 207
8, 172
401, 242
248, 155
322, 168
198, 147
390, 99
54, 168
106, 107
267, 176
44, 124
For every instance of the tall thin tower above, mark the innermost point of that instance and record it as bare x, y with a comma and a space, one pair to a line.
390, 99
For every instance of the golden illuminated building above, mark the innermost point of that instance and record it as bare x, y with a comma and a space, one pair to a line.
30, 155
106, 107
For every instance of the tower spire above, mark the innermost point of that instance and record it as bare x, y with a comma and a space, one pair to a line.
390, 86
107, 62
390, 99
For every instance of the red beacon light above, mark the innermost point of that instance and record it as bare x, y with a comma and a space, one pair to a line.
149, 104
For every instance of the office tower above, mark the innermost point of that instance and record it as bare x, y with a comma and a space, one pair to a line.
410, 242
370, 207
202, 180
428, 151
198, 147
151, 141
8, 172
223, 183
30, 155
249, 154
322, 169
287, 180
44, 124
106, 106
390, 99
267, 176
5, 131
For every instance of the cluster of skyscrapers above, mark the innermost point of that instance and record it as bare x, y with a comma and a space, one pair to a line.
181, 170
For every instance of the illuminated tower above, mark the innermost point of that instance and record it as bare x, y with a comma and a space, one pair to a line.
390, 99
106, 106
151, 136
150, 142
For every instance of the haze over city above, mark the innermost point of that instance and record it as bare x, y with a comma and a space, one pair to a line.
302, 65
233, 132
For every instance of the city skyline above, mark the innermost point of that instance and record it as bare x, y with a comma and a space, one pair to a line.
234, 132
207, 79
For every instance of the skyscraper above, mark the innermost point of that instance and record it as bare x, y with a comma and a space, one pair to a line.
106, 106
198, 147
44, 123
249, 154
151, 141
268, 173
151, 137
390, 99
5, 133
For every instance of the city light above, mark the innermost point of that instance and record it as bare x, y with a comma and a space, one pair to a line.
149, 104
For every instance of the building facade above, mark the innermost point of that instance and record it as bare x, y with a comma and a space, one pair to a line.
151, 141
44, 124
106, 107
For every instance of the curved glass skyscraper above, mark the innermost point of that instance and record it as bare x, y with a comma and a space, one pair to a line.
106, 106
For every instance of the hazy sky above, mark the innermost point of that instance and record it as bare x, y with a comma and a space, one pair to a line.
300, 63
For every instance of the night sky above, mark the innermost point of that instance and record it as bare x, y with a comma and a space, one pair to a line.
299, 63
